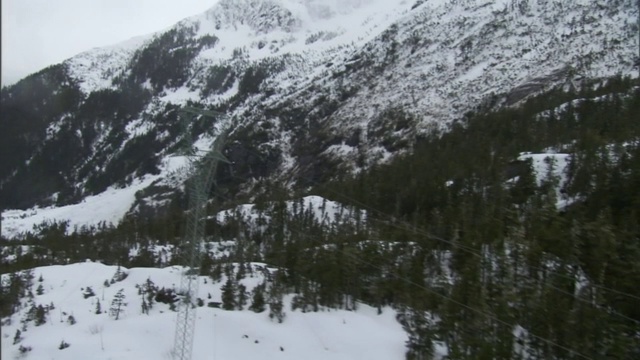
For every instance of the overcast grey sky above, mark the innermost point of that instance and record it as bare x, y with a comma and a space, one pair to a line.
39, 33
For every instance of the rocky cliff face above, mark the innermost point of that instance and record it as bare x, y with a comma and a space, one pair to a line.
311, 88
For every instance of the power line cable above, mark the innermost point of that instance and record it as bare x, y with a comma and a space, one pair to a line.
423, 232
488, 315
462, 247
434, 237
504, 323
477, 254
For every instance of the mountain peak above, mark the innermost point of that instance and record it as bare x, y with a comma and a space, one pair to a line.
312, 81
262, 16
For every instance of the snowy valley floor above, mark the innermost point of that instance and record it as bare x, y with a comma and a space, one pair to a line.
219, 334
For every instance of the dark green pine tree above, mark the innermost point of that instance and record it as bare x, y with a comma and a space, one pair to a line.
149, 290
525, 185
17, 337
499, 289
464, 323
242, 296
119, 275
12, 292
117, 304
40, 316
276, 309
276, 305
258, 303
63, 345
216, 273
418, 327
144, 307
207, 264
228, 295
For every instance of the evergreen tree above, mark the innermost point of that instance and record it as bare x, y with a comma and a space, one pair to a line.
150, 289
216, 273
17, 337
276, 305
420, 342
242, 296
40, 316
207, 264
258, 303
63, 345
98, 310
119, 275
144, 306
88, 292
12, 290
229, 295
276, 309
116, 304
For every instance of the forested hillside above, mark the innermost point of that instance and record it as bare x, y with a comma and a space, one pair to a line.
480, 250
497, 250
310, 89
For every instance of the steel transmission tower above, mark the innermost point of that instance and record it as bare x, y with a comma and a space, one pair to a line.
202, 170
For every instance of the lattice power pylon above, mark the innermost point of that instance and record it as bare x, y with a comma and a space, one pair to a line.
202, 170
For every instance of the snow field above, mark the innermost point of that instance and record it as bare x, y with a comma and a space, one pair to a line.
109, 206
323, 211
542, 162
219, 334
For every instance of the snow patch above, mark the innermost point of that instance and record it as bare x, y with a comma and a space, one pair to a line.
108, 207
334, 334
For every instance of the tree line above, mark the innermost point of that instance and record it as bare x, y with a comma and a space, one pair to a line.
459, 236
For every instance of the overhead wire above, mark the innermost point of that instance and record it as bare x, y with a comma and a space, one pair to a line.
423, 232
483, 313
419, 230
487, 315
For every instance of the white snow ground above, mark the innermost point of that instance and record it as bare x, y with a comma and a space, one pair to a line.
324, 211
219, 334
542, 163
112, 205
558, 164
109, 206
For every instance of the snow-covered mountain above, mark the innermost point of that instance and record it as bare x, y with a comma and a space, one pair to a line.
311, 88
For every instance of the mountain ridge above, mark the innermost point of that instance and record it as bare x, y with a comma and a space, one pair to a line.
305, 102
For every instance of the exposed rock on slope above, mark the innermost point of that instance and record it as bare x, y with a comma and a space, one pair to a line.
311, 87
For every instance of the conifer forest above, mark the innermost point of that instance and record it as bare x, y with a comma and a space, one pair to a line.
476, 248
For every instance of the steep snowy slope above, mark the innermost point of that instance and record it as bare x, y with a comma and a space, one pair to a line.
111, 207
311, 88
252, 30
108, 207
